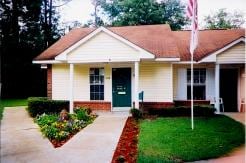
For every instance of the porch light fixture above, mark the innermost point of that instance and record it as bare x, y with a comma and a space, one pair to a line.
44, 66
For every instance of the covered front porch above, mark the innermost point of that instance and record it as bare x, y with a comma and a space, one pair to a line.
218, 84
111, 86
230, 87
229, 76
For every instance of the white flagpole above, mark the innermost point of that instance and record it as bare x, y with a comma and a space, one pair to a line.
192, 69
191, 92
193, 44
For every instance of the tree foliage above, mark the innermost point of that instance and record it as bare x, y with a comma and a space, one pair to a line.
26, 28
224, 20
145, 12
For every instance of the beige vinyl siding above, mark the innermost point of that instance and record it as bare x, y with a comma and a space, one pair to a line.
155, 79
60, 82
81, 83
235, 54
103, 46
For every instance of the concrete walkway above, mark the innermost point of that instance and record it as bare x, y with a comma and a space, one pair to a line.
240, 117
21, 140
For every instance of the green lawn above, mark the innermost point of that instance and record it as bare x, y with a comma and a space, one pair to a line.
11, 102
172, 140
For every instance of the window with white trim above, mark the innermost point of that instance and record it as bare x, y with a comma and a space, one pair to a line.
96, 83
199, 87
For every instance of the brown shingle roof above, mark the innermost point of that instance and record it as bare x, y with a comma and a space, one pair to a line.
209, 42
157, 39
63, 43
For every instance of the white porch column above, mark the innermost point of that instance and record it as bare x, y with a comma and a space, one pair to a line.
217, 87
71, 74
136, 72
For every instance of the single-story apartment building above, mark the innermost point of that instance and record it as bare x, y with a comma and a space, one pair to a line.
107, 67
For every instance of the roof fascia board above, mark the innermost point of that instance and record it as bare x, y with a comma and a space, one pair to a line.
167, 59
104, 60
143, 53
212, 57
231, 62
46, 62
185, 62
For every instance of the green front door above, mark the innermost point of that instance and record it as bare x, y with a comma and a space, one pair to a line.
121, 87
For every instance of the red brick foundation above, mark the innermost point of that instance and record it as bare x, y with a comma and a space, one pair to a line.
156, 105
49, 81
94, 105
188, 102
106, 106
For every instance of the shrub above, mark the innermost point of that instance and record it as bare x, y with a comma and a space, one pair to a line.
136, 113
50, 127
88, 110
82, 114
46, 119
49, 131
40, 105
54, 132
199, 110
204, 110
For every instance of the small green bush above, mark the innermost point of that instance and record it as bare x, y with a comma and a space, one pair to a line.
199, 110
136, 113
46, 119
82, 114
204, 110
40, 105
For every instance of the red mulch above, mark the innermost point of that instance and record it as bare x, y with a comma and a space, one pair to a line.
127, 145
57, 143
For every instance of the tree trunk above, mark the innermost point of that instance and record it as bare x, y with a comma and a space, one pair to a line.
45, 24
14, 23
50, 23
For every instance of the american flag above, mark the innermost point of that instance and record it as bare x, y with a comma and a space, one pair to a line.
192, 14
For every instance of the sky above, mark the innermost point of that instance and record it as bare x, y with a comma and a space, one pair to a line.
80, 10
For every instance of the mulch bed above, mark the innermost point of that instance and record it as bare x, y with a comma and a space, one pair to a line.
126, 150
57, 144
